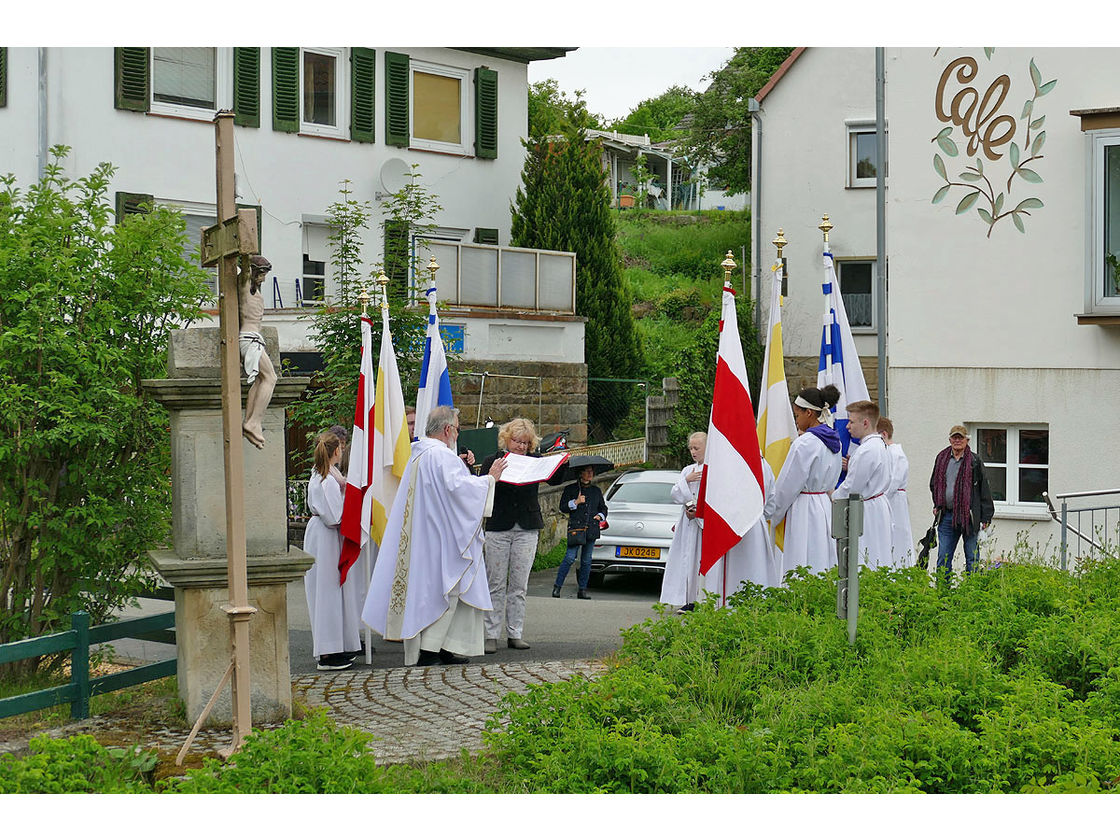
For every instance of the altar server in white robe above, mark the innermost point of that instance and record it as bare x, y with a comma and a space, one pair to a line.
902, 535
802, 490
680, 583
869, 474
429, 585
334, 608
752, 559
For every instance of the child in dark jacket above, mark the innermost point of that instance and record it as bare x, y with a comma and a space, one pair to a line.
586, 509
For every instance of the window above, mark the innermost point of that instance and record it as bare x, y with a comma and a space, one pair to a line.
440, 107
1017, 465
316, 255
1103, 293
862, 145
197, 217
190, 81
857, 289
323, 92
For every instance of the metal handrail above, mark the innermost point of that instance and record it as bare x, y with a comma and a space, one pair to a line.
1063, 519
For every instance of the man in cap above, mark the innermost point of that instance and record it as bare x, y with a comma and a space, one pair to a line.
962, 501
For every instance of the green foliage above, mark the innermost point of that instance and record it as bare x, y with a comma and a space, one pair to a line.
720, 129
77, 765
334, 327
687, 244
554, 112
86, 315
564, 205
659, 115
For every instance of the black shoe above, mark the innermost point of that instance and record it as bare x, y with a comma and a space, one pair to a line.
334, 662
556, 591
354, 654
449, 658
428, 657
517, 644
686, 608
583, 595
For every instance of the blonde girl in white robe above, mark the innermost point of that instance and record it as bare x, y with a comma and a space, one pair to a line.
802, 490
680, 583
902, 535
335, 608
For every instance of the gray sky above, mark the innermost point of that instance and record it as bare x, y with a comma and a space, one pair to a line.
618, 78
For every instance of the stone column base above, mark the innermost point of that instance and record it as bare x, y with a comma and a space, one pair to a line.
202, 630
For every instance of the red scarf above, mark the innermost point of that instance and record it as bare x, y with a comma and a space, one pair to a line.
962, 489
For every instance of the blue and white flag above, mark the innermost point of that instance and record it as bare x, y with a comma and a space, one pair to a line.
435, 381
839, 362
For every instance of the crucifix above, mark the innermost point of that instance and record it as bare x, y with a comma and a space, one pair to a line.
231, 245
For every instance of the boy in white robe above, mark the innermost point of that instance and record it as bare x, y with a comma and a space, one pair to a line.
902, 535
429, 586
869, 474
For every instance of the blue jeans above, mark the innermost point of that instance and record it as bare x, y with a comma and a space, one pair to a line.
584, 573
947, 537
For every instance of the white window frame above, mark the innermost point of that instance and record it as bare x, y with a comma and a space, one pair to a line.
856, 127
196, 208
223, 89
840, 261
1013, 506
341, 94
1096, 301
466, 114
322, 232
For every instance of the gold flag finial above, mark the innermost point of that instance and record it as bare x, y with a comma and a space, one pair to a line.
779, 242
383, 283
728, 264
825, 227
433, 267
364, 299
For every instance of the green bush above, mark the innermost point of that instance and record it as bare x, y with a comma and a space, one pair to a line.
77, 765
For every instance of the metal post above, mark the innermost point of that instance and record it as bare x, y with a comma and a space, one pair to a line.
881, 224
847, 527
238, 608
79, 665
840, 534
1065, 520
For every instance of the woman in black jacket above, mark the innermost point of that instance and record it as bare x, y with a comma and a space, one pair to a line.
583, 502
511, 539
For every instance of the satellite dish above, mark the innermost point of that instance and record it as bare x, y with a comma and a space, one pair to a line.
394, 175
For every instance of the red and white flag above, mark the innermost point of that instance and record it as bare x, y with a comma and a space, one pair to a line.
731, 487
356, 502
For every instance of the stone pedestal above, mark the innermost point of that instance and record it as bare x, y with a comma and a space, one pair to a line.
197, 565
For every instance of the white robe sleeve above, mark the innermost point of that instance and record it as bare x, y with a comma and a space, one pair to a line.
682, 491
790, 481
324, 498
861, 465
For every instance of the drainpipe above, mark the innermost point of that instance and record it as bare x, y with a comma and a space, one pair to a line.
881, 224
42, 111
755, 111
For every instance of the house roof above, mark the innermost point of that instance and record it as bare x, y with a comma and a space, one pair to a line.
522, 54
781, 71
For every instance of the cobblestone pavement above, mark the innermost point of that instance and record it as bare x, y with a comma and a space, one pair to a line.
427, 714
415, 714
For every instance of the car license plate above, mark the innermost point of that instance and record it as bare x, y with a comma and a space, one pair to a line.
638, 551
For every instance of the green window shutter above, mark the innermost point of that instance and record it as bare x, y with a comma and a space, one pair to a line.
127, 203
486, 236
395, 256
3, 77
396, 99
362, 93
260, 231
247, 86
285, 89
132, 88
485, 112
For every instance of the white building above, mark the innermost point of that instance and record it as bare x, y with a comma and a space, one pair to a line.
1002, 211
308, 119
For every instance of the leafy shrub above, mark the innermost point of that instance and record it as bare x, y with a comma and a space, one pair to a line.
77, 765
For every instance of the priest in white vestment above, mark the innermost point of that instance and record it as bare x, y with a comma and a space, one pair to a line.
869, 474
429, 586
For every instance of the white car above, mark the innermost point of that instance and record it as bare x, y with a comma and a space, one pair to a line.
640, 519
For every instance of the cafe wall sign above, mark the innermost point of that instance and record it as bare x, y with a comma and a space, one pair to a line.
1001, 154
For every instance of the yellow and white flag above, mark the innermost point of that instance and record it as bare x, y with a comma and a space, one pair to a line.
391, 444
776, 427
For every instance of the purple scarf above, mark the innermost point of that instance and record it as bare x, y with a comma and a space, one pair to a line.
962, 489
828, 436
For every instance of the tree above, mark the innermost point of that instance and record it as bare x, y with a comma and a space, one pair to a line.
553, 112
86, 315
334, 327
564, 205
658, 116
720, 129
